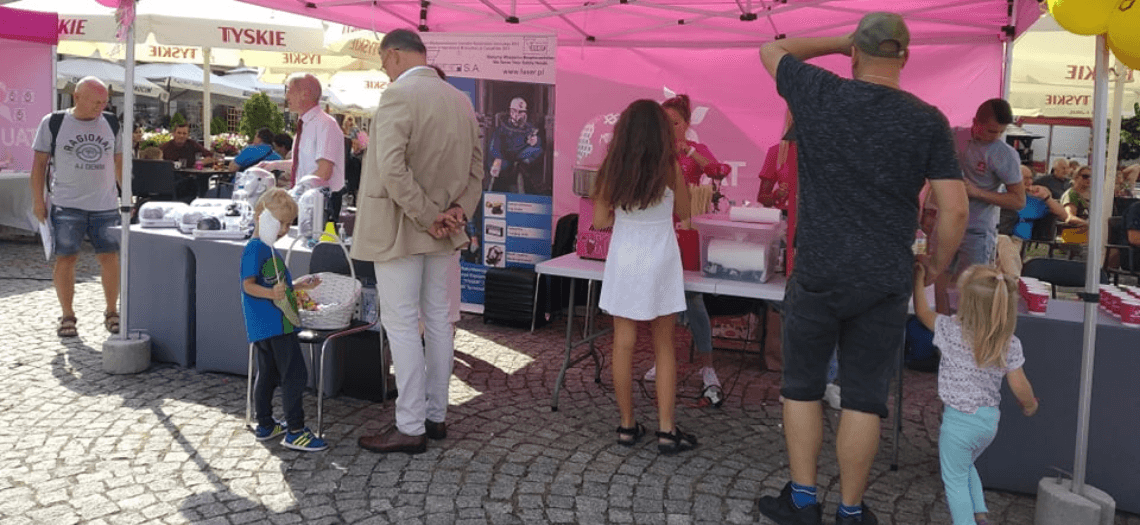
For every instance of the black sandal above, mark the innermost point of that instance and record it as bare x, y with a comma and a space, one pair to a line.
635, 432
677, 441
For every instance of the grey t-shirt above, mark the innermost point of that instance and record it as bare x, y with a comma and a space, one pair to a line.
989, 166
84, 173
865, 151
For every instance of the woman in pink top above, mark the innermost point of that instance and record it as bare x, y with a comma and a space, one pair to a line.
778, 183
695, 160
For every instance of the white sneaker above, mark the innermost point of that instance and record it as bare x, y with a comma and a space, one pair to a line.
831, 395
651, 375
708, 375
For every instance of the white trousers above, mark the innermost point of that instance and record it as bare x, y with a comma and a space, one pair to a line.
405, 287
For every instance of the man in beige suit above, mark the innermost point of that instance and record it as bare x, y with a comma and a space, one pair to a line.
421, 178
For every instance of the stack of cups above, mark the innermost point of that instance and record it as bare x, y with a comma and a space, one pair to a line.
1036, 294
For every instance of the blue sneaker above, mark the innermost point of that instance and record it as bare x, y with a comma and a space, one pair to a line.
266, 433
304, 441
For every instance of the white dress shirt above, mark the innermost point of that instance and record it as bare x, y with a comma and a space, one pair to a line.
321, 138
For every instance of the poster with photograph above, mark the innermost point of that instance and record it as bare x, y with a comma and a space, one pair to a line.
510, 80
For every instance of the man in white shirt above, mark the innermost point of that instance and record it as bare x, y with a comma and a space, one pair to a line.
318, 145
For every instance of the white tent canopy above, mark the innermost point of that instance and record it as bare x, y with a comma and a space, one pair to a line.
1052, 74
70, 71
247, 78
189, 77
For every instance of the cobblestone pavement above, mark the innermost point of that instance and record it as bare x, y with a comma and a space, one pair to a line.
168, 445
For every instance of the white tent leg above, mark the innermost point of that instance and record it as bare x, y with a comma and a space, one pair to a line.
207, 111
1097, 225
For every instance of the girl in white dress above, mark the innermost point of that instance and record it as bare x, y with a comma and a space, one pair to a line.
638, 190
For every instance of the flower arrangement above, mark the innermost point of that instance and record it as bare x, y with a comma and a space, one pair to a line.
155, 137
229, 143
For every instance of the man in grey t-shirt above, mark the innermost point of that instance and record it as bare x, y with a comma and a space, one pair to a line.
87, 165
988, 164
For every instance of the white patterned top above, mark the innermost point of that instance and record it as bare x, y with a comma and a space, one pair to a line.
961, 384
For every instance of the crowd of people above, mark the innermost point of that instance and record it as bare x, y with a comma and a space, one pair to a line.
857, 144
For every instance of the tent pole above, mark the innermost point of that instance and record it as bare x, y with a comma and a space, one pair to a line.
1120, 72
126, 129
207, 113
1007, 66
1092, 267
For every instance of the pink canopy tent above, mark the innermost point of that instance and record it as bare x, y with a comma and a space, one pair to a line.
614, 51
28, 26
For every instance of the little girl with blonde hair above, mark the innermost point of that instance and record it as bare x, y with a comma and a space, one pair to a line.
978, 349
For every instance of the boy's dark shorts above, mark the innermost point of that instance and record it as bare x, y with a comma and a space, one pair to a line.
868, 326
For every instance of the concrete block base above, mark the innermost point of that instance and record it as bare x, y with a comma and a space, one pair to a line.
126, 356
1058, 505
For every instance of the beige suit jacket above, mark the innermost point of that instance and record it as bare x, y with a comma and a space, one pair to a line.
425, 155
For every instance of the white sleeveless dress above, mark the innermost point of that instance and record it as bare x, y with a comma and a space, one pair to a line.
643, 278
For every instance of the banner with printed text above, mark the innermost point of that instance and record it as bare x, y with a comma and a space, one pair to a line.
510, 79
26, 91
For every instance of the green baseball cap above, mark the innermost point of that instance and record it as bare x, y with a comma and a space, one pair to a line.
882, 34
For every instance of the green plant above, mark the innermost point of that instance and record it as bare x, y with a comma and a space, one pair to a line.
260, 112
218, 126
1130, 135
176, 120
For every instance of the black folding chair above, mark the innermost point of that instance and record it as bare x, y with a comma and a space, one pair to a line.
1059, 272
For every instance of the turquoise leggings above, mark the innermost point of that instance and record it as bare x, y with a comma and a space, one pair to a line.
963, 438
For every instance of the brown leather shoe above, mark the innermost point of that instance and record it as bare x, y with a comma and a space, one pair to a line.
392, 440
435, 430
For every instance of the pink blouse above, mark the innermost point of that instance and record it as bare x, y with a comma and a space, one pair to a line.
693, 171
782, 191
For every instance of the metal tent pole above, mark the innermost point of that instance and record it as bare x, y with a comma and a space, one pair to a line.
1092, 269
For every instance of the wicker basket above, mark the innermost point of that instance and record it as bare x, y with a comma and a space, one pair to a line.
339, 293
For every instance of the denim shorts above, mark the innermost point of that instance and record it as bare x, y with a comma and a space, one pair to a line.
868, 327
72, 225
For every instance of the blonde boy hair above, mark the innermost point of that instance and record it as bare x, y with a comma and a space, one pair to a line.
279, 203
987, 310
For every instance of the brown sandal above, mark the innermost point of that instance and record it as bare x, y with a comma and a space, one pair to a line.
67, 327
111, 322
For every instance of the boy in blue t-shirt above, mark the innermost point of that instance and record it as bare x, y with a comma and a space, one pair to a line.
271, 323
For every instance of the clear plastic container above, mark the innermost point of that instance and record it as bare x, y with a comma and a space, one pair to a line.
741, 251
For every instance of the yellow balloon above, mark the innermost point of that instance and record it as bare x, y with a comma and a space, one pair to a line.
1083, 17
1124, 32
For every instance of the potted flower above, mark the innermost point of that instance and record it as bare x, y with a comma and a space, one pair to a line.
228, 144
155, 137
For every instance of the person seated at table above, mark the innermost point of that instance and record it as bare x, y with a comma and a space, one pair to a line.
136, 140
283, 145
1039, 204
1057, 180
182, 147
151, 153
261, 149
1076, 200
1129, 261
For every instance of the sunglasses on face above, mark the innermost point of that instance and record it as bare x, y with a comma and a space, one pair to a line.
1085, 176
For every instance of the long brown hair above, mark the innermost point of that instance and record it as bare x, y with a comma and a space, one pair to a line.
988, 312
639, 159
